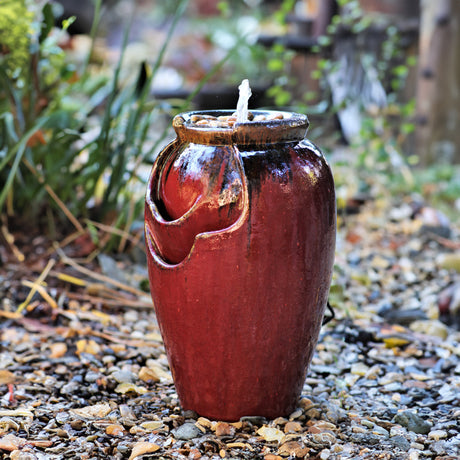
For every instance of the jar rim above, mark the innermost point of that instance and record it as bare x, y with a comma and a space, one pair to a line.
292, 126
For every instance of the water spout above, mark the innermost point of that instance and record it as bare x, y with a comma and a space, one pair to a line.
242, 106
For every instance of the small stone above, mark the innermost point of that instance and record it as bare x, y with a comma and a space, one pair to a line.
359, 369
417, 445
224, 429
326, 438
123, 448
70, 388
92, 377
115, 430
124, 376
313, 413
148, 375
412, 422
58, 350
126, 412
293, 427
367, 423
380, 431
186, 432
431, 327
397, 431
401, 443
296, 414
306, 404
437, 434
62, 417
293, 449
438, 448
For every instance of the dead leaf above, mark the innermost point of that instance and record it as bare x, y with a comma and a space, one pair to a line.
127, 387
11, 442
93, 412
148, 375
58, 350
240, 445
206, 423
88, 346
7, 377
141, 448
270, 434
16, 413
152, 426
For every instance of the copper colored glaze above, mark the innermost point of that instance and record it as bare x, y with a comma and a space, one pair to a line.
240, 228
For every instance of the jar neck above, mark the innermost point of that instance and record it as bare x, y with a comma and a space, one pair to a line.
269, 127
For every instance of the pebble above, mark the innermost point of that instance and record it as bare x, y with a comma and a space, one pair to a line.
293, 427
413, 422
401, 443
380, 431
122, 376
62, 417
359, 369
225, 121
186, 432
92, 377
70, 388
325, 438
437, 434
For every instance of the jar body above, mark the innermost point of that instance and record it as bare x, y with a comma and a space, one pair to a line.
240, 274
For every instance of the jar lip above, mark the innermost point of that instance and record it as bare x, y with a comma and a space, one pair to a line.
292, 126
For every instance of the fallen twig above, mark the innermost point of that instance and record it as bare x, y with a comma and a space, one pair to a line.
110, 302
98, 276
42, 291
36, 285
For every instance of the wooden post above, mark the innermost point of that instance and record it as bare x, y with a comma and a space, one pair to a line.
438, 86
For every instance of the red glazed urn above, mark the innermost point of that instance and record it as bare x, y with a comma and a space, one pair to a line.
240, 226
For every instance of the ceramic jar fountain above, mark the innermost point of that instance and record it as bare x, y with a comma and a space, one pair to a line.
240, 225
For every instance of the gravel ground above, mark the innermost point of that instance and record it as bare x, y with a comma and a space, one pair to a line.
83, 372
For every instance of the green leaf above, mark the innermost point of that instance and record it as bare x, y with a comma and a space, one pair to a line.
275, 65
66, 23
48, 22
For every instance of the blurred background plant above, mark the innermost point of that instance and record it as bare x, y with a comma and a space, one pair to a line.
73, 134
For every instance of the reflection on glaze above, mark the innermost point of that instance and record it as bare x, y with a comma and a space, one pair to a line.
204, 191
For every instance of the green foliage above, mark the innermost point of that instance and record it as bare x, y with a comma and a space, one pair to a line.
15, 37
286, 7
54, 150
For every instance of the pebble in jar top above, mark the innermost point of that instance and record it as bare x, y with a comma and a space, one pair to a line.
220, 127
